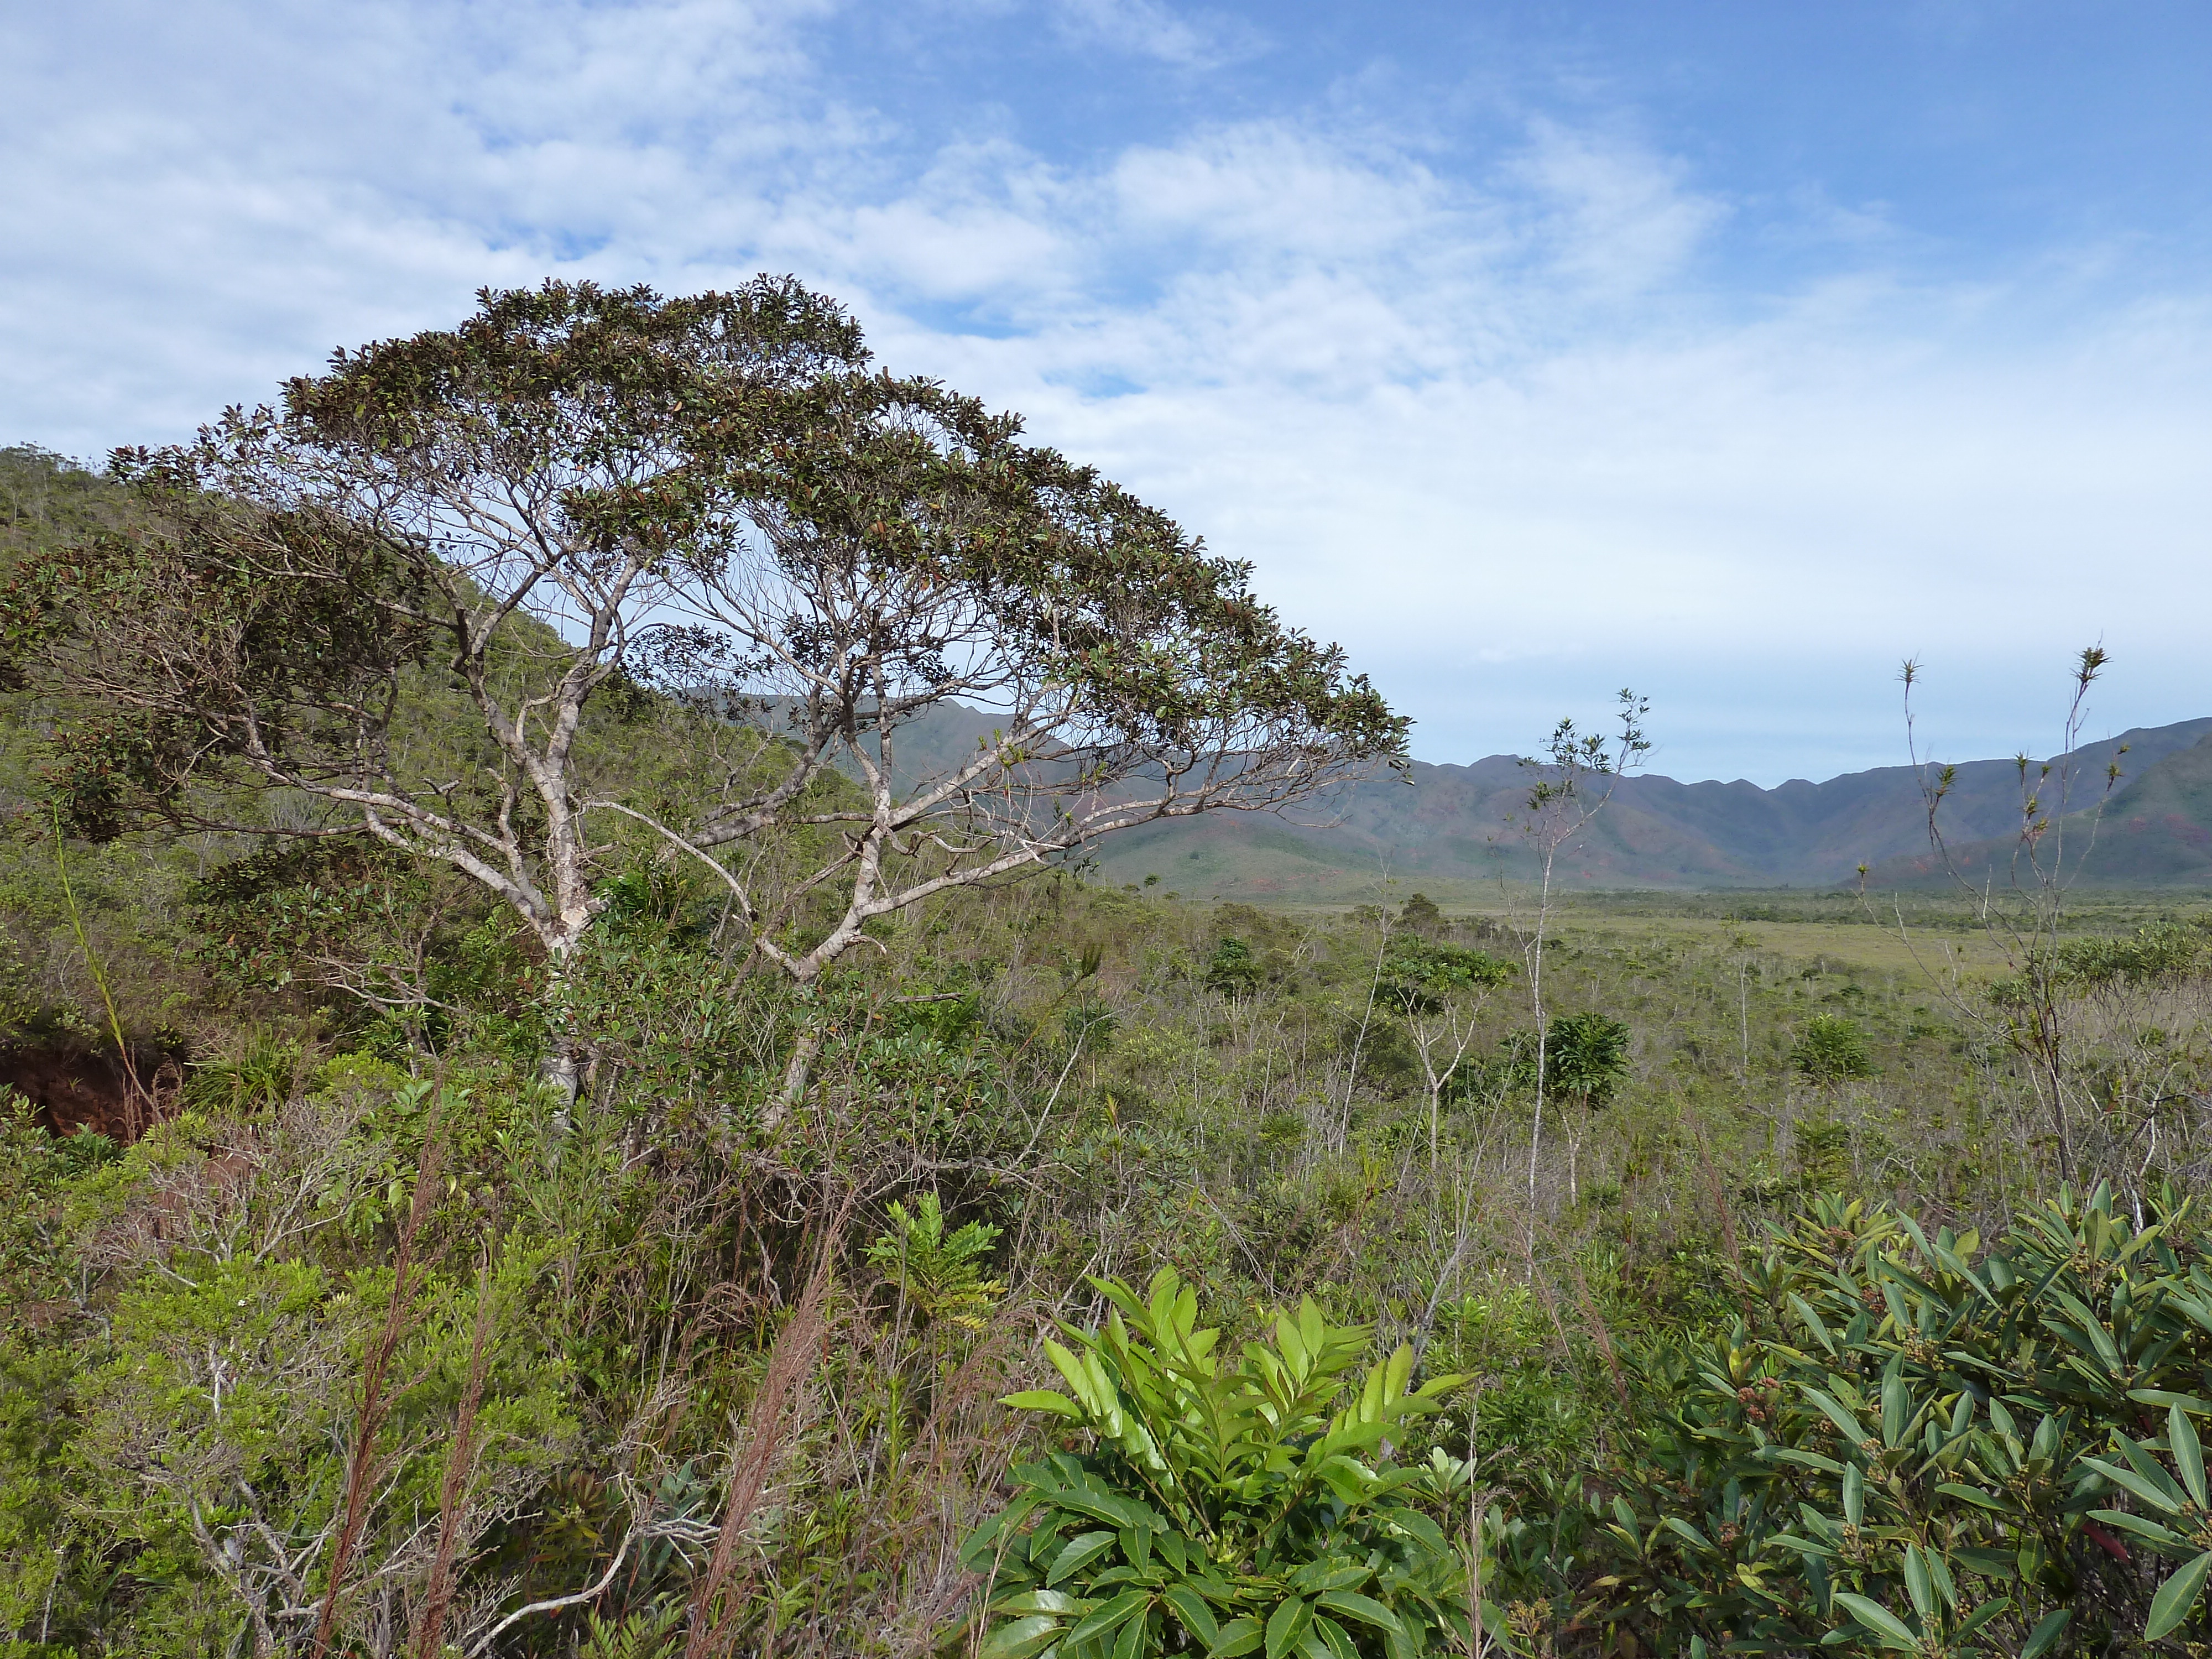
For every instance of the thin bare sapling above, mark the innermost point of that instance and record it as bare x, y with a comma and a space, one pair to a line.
2023, 913
1576, 774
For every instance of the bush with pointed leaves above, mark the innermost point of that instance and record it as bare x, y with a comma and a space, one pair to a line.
1224, 1508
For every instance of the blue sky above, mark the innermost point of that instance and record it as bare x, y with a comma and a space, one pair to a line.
1732, 351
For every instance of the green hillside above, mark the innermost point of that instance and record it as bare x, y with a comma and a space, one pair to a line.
2154, 830
1452, 830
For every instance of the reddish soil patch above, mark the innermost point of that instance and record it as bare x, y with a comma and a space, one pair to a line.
70, 1089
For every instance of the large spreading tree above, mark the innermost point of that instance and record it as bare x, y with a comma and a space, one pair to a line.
584, 501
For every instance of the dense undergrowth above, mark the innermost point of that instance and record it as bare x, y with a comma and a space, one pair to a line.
1793, 1313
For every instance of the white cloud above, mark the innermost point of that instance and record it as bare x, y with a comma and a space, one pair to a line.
1618, 221
1185, 37
1491, 419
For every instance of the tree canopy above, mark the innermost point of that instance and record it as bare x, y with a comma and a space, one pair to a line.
594, 529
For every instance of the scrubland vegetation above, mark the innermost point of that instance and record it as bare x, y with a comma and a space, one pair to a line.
386, 1266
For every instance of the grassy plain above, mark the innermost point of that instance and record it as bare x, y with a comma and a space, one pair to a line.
1934, 941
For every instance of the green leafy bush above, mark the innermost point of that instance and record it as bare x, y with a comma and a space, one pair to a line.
1832, 1048
1585, 1058
1233, 967
1420, 974
1588, 1058
940, 1273
1911, 1443
2161, 952
1225, 1509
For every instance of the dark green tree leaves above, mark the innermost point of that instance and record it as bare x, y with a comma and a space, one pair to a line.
439, 594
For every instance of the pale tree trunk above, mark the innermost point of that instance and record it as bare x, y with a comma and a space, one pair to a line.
561, 1068
795, 1076
1429, 1041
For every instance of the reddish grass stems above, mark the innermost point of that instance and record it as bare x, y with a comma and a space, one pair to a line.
1720, 1205
789, 1362
375, 1371
460, 1468
1594, 1321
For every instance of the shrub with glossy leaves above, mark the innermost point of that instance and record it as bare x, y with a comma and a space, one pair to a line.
1915, 1442
1224, 1508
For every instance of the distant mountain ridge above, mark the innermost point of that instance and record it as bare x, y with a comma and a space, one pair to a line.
1450, 827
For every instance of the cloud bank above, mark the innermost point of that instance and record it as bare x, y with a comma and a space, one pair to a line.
1519, 413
